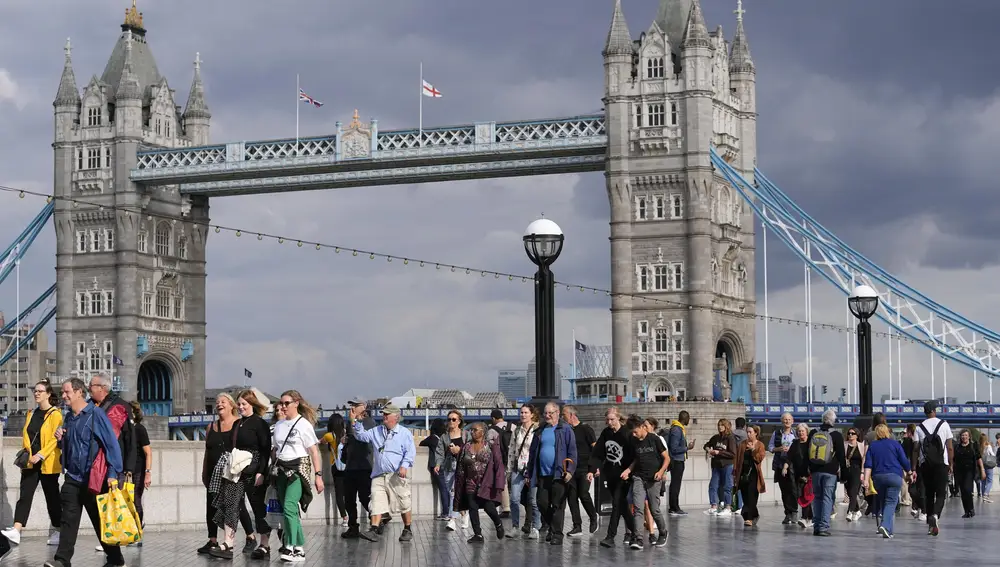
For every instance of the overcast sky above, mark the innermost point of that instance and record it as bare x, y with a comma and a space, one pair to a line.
880, 118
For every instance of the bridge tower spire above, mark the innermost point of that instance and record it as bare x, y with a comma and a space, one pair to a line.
130, 263
667, 102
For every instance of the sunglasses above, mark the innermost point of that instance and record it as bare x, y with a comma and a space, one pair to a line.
286, 404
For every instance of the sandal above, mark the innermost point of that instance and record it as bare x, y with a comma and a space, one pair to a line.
224, 551
262, 552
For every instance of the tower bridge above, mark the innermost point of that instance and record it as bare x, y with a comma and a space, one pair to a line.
676, 141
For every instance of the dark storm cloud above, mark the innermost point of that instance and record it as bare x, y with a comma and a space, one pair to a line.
881, 101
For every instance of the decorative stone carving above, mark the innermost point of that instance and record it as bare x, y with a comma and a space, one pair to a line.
613, 80
185, 205
356, 140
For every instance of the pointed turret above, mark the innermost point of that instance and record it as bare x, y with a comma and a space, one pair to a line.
68, 94
619, 38
695, 31
128, 85
196, 105
739, 59
197, 116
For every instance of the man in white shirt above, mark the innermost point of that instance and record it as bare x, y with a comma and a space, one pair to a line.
935, 457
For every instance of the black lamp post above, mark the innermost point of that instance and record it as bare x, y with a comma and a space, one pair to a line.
543, 241
863, 304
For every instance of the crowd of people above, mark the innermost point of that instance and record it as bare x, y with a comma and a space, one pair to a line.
527, 473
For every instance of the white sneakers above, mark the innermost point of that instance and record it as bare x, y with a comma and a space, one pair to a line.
53, 537
12, 535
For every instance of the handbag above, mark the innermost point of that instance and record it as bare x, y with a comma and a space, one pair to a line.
22, 457
275, 513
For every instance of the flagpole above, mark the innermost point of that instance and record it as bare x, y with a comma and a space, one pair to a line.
297, 89
420, 131
17, 327
572, 368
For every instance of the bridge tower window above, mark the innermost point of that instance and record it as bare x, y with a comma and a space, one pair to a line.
673, 114
654, 68
641, 208
657, 114
163, 239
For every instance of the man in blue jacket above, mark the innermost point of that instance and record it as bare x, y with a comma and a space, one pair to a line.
86, 429
551, 464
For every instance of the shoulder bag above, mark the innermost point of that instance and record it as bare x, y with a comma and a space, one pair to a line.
274, 467
22, 458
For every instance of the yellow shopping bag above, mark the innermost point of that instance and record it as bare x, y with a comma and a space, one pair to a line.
129, 492
119, 523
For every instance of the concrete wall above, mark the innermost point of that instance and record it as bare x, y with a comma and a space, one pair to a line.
176, 499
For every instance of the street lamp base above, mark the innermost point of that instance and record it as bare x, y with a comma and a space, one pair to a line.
863, 423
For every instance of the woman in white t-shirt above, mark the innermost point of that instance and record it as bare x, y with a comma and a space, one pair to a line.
296, 457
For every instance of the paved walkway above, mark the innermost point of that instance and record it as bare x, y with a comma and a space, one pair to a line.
696, 541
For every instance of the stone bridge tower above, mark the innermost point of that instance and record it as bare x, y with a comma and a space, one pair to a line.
679, 233
130, 262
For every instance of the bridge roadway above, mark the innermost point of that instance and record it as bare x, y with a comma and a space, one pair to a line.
361, 155
971, 415
697, 541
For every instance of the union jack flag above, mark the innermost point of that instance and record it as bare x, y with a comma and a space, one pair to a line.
303, 97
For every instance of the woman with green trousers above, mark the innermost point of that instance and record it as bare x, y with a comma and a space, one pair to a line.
297, 466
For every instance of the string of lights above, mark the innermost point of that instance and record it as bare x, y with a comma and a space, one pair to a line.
483, 273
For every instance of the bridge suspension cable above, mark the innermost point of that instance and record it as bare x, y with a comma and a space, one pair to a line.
902, 308
454, 268
13, 254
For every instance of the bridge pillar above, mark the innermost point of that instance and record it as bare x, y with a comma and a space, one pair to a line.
681, 242
130, 260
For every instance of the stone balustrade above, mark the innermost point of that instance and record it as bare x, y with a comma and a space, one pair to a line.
176, 499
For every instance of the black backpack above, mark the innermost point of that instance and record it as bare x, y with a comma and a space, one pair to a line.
931, 446
505, 436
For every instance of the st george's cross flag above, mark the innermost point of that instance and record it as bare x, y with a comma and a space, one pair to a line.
430, 91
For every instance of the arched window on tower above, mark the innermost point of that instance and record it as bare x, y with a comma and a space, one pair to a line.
163, 239
654, 68
673, 114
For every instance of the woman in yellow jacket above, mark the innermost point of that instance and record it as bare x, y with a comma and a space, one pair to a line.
39, 439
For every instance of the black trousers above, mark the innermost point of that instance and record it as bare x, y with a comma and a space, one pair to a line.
619, 504
676, 476
140, 489
853, 488
965, 479
551, 498
357, 488
76, 499
786, 485
579, 493
935, 480
30, 478
750, 497
474, 504
917, 494
213, 529
257, 495
338, 491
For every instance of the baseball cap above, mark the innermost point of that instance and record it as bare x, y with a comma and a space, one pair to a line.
930, 406
390, 409
496, 414
356, 401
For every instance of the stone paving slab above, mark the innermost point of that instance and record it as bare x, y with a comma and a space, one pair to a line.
696, 541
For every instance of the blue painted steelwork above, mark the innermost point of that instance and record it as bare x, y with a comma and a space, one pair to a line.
26, 341
911, 313
409, 415
24, 314
203, 170
187, 350
141, 346
20, 246
156, 388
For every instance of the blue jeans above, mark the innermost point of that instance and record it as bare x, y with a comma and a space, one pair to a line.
516, 486
988, 483
446, 483
888, 486
824, 492
721, 478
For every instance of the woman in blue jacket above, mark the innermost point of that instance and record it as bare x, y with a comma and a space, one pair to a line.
885, 465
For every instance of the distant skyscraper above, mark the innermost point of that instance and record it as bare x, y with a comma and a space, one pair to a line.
531, 379
513, 384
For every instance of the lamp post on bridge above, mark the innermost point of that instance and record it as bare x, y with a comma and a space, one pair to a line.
863, 304
543, 242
